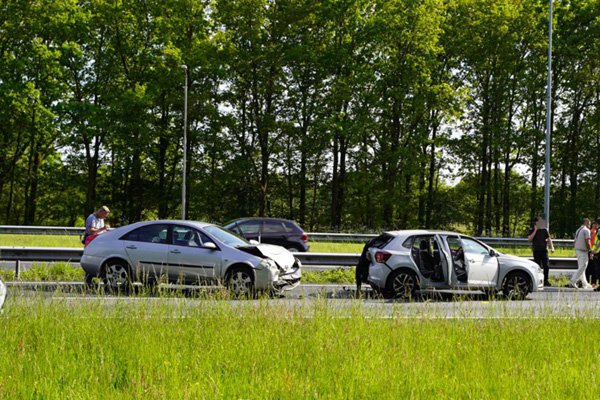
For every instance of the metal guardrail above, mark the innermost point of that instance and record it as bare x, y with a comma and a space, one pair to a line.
40, 230
313, 236
69, 254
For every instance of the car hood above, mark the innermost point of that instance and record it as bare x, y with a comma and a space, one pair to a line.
508, 258
2, 293
280, 255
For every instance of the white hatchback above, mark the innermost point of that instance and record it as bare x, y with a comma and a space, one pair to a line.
402, 262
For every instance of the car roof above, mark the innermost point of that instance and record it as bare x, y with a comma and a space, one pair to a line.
197, 224
258, 219
413, 232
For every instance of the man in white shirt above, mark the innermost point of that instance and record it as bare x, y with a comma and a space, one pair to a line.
582, 249
94, 224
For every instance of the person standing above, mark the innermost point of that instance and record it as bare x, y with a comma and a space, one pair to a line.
540, 243
582, 249
94, 223
595, 260
589, 271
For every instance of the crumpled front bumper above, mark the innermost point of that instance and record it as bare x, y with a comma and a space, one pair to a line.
289, 279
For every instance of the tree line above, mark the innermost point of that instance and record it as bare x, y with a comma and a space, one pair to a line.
340, 114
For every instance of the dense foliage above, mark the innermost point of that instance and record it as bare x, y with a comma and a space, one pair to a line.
341, 114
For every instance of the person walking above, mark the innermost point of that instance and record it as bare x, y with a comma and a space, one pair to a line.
582, 249
540, 243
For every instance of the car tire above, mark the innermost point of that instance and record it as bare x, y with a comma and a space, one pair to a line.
401, 284
293, 250
516, 285
117, 277
240, 282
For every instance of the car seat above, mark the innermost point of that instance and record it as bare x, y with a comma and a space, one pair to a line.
189, 239
426, 259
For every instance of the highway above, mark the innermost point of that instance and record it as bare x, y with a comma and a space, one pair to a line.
552, 302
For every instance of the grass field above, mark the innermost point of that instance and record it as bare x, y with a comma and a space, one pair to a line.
214, 350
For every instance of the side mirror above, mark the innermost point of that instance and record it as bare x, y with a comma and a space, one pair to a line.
210, 246
493, 253
254, 242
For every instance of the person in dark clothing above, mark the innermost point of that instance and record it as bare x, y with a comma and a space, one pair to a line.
362, 268
540, 243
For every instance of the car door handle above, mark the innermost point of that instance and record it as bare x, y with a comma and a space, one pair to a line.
132, 247
175, 251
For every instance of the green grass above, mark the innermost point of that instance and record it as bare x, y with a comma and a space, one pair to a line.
214, 350
40, 241
46, 272
338, 275
336, 247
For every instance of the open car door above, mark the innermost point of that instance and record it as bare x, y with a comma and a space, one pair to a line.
445, 258
482, 267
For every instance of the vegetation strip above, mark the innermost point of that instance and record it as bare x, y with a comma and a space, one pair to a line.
220, 350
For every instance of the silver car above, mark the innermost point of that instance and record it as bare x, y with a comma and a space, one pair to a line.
190, 253
402, 262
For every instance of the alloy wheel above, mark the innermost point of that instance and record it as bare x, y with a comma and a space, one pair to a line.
516, 286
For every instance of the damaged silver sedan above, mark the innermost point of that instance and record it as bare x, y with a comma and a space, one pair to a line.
188, 252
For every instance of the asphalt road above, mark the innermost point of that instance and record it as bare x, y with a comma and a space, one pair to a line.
552, 302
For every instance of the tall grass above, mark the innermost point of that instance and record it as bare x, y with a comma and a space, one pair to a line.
179, 349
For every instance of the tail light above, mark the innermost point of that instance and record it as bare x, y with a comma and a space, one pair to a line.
304, 237
89, 239
382, 256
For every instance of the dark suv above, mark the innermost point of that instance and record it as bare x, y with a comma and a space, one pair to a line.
281, 232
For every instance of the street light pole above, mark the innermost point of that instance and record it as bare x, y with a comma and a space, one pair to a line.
548, 123
183, 205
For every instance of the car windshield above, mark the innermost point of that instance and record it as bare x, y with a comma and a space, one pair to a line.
225, 236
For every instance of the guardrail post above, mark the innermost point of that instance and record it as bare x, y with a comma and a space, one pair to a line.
17, 269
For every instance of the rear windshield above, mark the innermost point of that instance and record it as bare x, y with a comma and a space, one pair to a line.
381, 241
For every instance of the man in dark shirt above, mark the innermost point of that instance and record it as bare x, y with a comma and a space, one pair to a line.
540, 242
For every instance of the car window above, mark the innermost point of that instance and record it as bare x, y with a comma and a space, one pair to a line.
274, 227
249, 227
471, 246
234, 228
155, 233
186, 236
291, 227
454, 243
224, 236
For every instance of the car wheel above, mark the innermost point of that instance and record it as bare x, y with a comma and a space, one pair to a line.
402, 284
293, 250
516, 286
117, 277
240, 282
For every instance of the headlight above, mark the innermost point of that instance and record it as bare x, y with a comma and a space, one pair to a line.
268, 263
